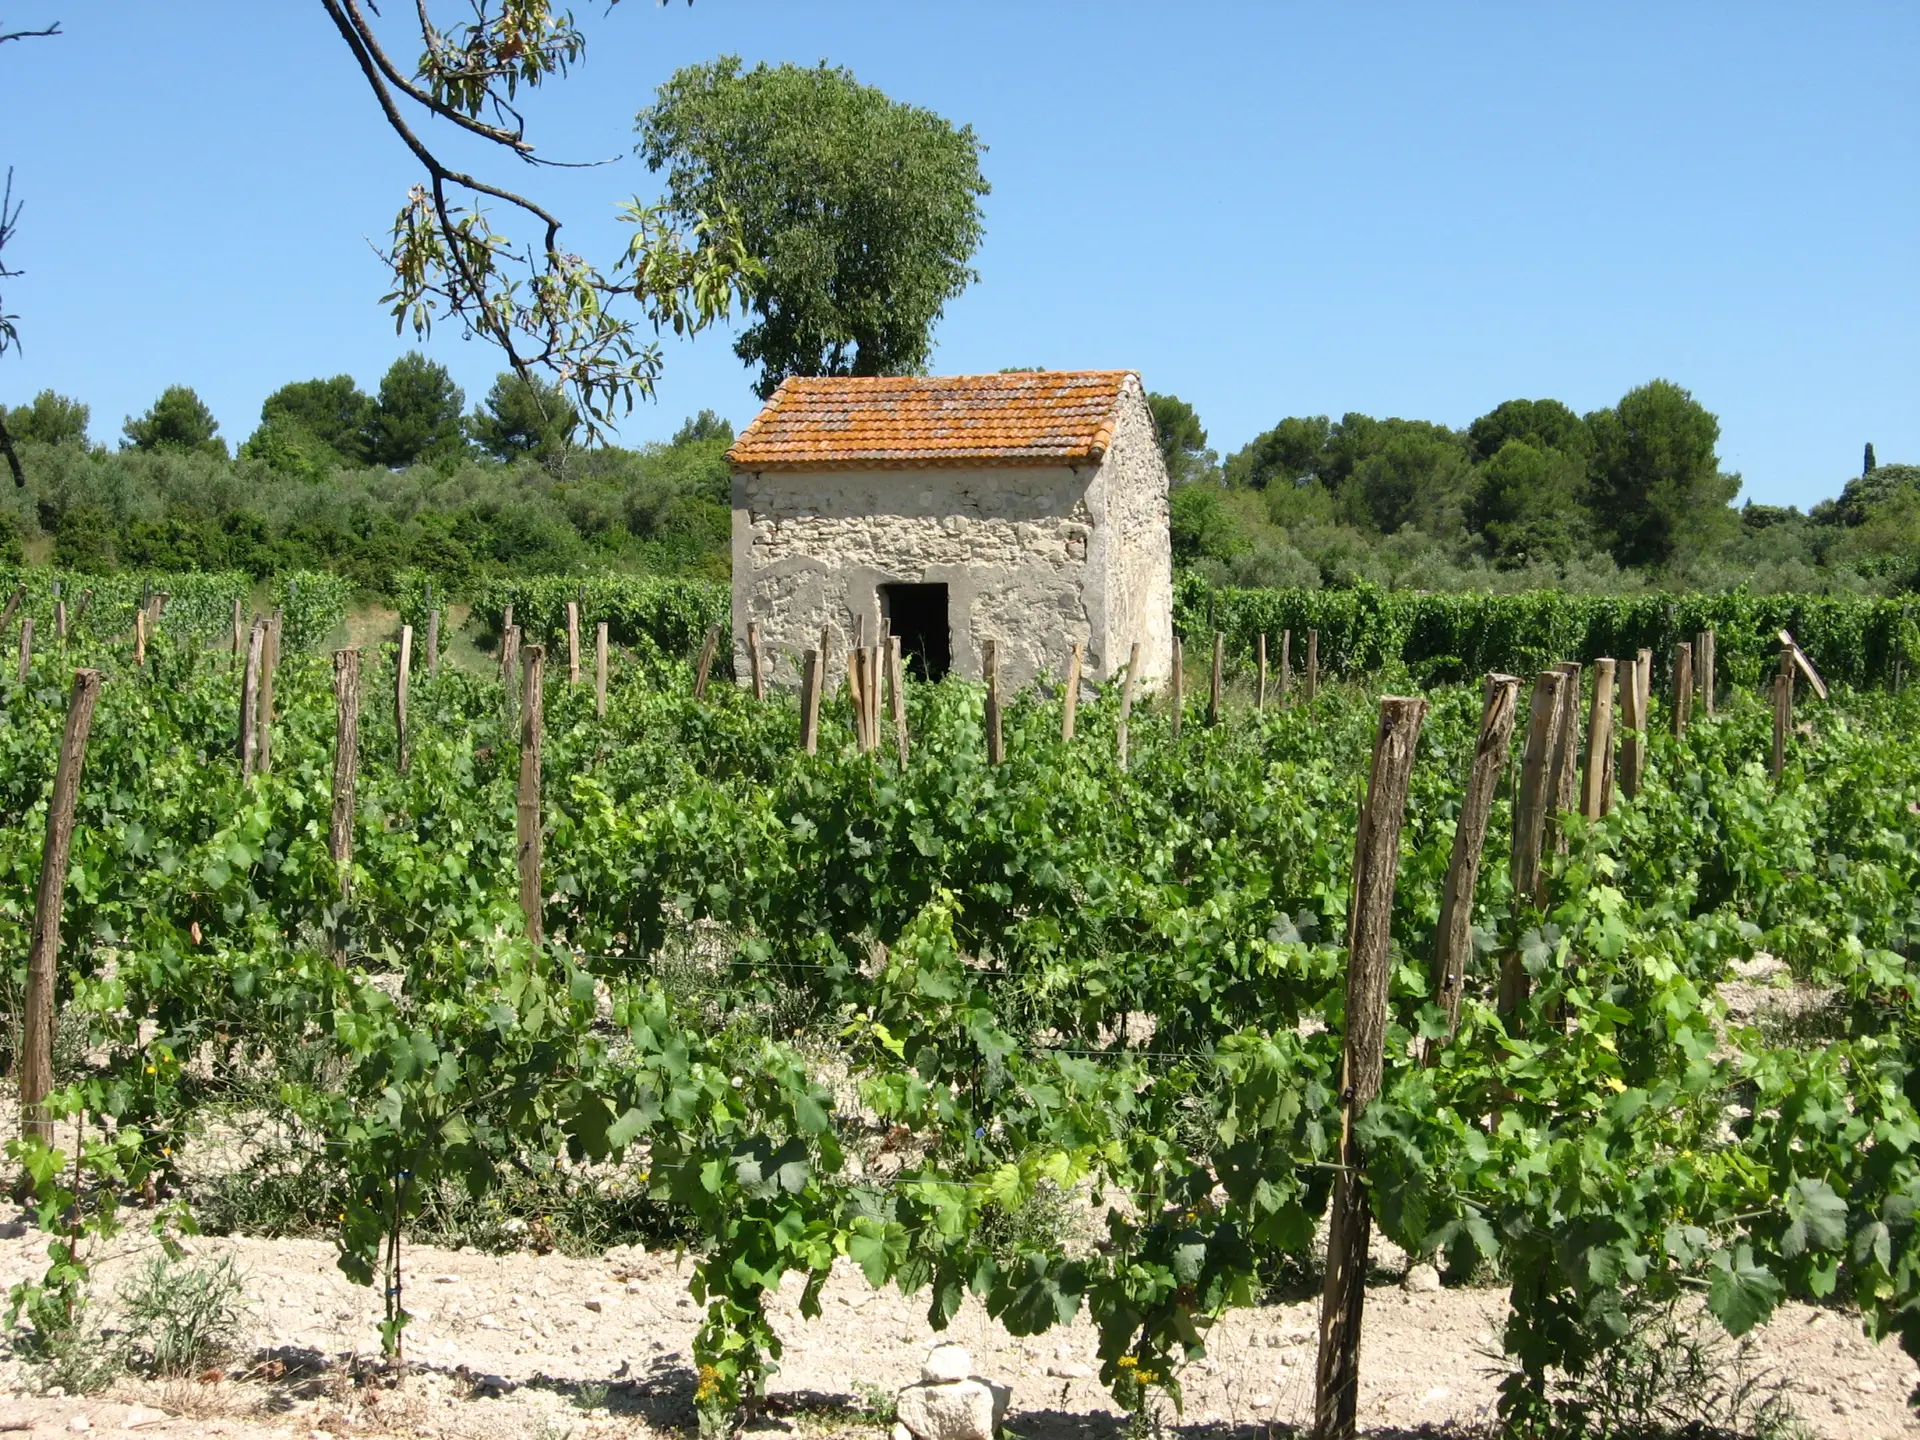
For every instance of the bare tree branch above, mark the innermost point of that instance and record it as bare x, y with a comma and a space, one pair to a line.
53, 29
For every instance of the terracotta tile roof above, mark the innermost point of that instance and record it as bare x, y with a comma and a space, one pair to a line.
1054, 417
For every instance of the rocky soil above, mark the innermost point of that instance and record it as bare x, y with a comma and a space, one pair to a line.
544, 1346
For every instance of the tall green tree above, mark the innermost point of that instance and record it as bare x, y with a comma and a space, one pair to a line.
1541, 423
418, 416
178, 420
337, 413
864, 212
1183, 439
1656, 482
1294, 450
524, 417
1528, 504
50, 419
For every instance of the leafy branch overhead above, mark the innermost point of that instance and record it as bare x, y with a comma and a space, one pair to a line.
515, 284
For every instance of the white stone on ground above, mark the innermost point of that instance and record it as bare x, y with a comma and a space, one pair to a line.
945, 1362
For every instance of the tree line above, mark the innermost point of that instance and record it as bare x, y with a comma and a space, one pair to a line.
367, 484
1531, 494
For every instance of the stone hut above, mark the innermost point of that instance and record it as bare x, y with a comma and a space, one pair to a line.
1029, 509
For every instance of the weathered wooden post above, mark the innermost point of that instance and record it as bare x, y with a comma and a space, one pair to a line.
1454, 935
1286, 665
1260, 683
990, 661
1546, 713
1564, 782
79, 611
14, 601
510, 674
509, 663
403, 669
1177, 685
346, 761
1645, 678
600, 670
1126, 704
433, 642
1214, 685
250, 695
1682, 687
1596, 787
239, 631
753, 660
1070, 697
1369, 922
573, 642
26, 650
139, 635
1313, 664
60, 623
707, 647
810, 704
527, 799
897, 690
43, 950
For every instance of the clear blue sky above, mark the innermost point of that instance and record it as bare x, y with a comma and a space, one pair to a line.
1268, 209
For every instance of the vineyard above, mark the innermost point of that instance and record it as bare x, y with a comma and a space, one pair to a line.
793, 1007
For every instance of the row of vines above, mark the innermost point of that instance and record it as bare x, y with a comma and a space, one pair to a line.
836, 1005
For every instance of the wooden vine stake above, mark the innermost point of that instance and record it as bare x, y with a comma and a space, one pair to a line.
897, 691
1682, 687
43, 953
1260, 682
1313, 664
527, 800
433, 643
758, 675
250, 694
1632, 730
26, 650
1369, 924
263, 722
1286, 664
509, 663
1070, 698
996, 746
1703, 668
708, 646
573, 642
1546, 713
1455, 934
60, 623
1213, 687
239, 631
80, 610
1782, 721
346, 761
600, 670
1564, 786
403, 669
810, 704
14, 602
1178, 687
1596, 784
876, 674
1126, 704
139, 634
1643, 675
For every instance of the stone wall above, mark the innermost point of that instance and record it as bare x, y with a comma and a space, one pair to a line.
1139, 548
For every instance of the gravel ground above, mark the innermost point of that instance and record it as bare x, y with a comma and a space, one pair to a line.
544, 1346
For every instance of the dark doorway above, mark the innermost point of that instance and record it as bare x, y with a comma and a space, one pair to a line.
918, 615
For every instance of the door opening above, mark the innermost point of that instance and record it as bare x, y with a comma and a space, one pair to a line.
918, 615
